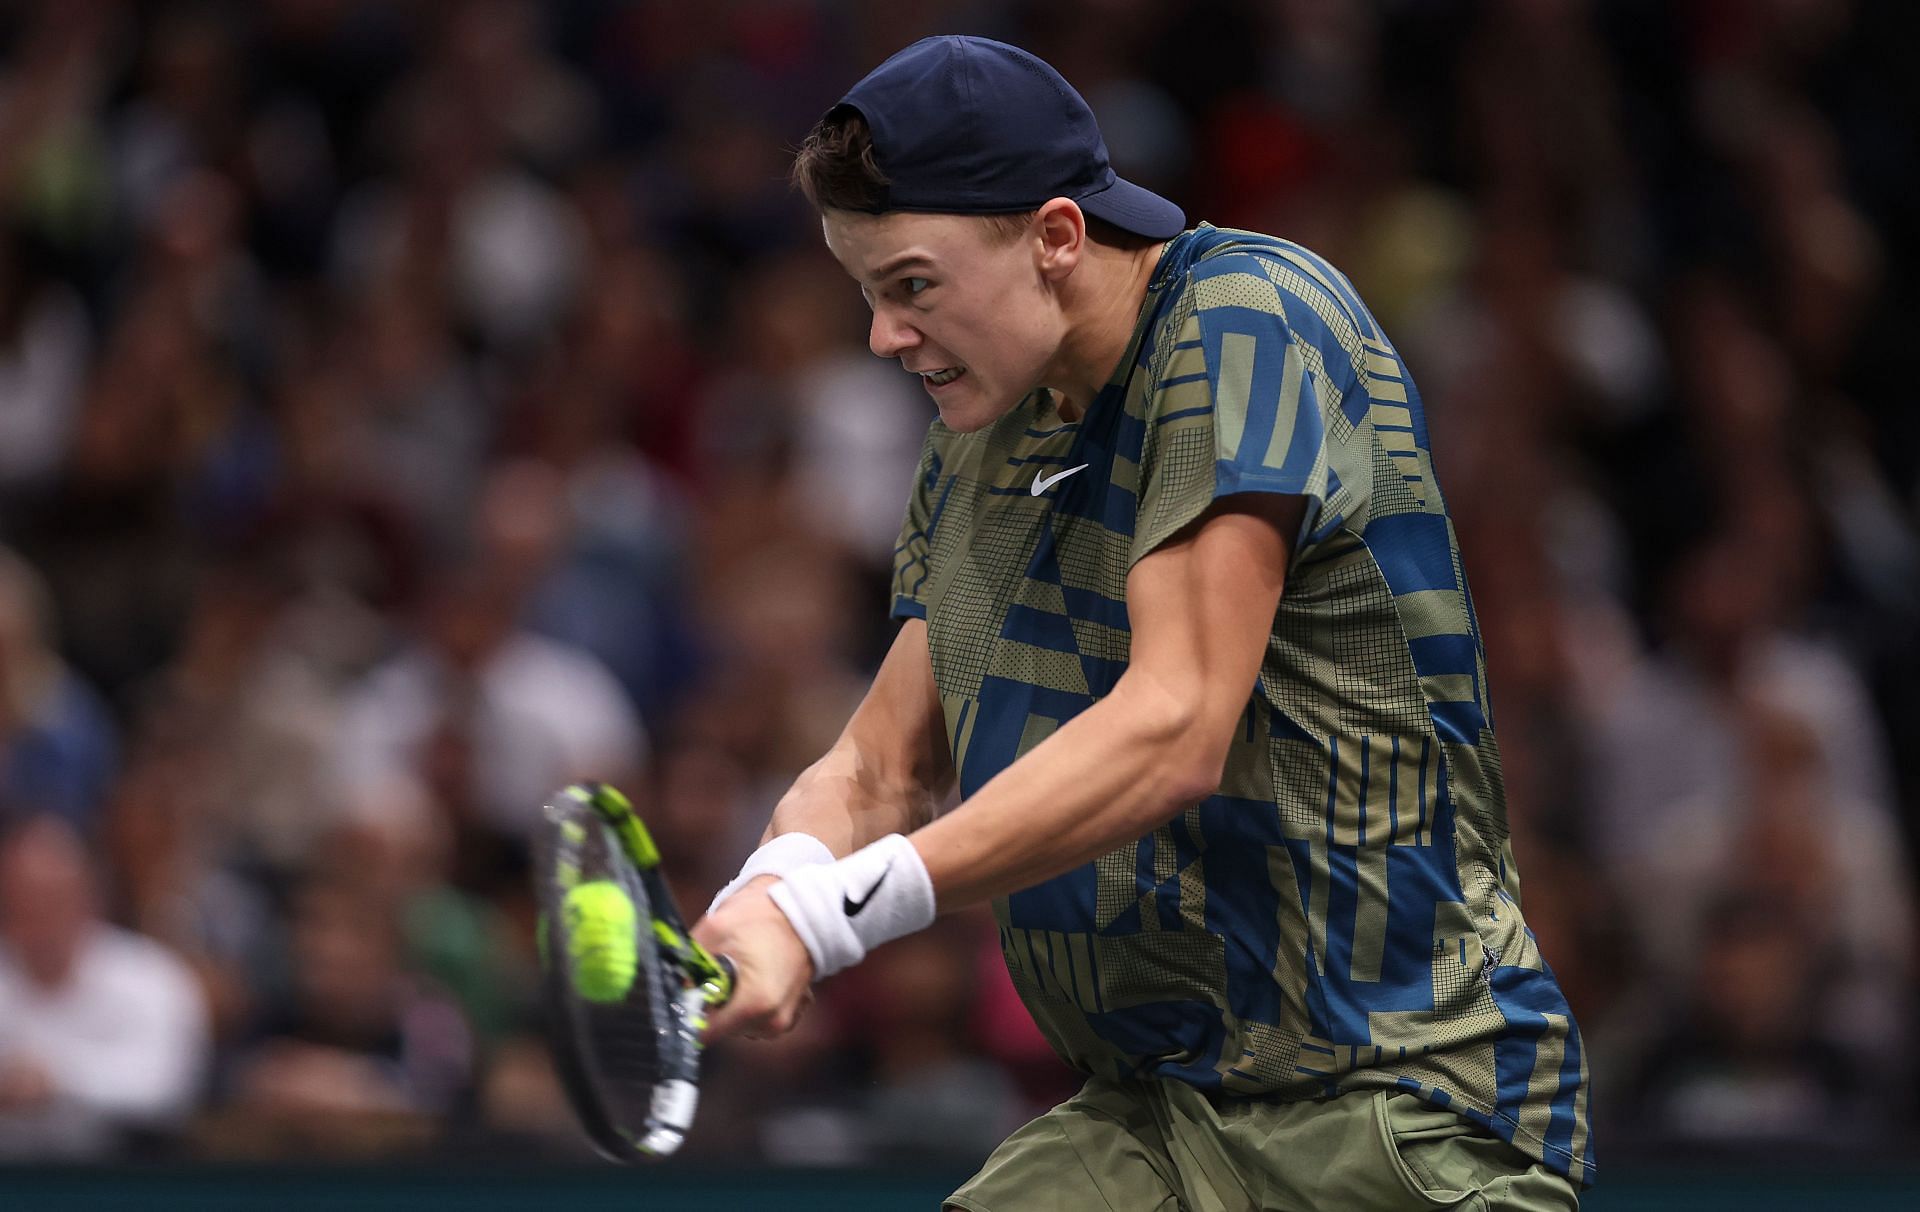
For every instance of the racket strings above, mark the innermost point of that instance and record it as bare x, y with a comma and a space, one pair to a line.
631, 1063
642, 1041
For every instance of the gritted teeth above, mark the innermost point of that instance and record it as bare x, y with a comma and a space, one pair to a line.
940, 377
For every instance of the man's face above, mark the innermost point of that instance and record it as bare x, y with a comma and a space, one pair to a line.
970, 313
46, 901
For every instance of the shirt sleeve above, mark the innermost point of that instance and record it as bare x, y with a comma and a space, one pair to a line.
911, 553
1247, 398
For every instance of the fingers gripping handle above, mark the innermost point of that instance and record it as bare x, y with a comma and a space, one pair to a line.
719, 990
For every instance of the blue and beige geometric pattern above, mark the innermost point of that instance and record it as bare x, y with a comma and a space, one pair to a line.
1343, 913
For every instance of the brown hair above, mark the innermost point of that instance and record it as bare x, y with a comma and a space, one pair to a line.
836, 170
835, 167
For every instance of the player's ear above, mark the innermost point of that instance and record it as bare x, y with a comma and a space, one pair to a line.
1062, 232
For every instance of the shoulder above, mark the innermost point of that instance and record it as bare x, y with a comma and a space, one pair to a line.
1297, 275
1257, 288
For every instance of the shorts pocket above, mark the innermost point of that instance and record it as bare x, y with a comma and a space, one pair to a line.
1414, 1137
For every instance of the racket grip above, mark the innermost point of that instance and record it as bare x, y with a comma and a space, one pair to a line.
726, 966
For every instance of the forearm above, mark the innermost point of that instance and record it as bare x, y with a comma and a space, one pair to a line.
1116, 771
848, 801
1202, 607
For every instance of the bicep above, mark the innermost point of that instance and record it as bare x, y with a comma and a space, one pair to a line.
1201, 605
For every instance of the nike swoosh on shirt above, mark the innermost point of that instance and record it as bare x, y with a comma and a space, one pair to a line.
1042, 483
854, 907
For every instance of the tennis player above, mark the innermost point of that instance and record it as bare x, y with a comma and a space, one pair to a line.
1183, 615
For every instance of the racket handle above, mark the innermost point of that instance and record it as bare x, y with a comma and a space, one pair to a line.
732, 973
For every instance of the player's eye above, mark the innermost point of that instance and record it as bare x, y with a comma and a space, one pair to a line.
915, 285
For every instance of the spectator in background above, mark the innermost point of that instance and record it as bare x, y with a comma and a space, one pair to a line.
1743, 1065
53, 155
800, 1093
491, 716
45, 339
464, 953
291, 292
116, 537
57, 743
1829, 873
178, 876
1668, 735
463, 220
596, 419
399, 843
242, 698
933, 1096
413, 416
358, 1052
842, 413
102, 1032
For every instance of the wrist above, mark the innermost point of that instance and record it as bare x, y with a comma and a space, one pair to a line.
776, 857
843, 910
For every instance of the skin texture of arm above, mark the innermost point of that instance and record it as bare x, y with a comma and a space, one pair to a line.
1201, 609
886, 774
889, 770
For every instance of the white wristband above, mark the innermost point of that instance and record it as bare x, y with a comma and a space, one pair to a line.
846, 909
787, 852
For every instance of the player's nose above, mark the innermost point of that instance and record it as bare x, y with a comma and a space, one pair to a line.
889, 336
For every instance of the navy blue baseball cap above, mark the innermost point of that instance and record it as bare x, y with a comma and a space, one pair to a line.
965, 125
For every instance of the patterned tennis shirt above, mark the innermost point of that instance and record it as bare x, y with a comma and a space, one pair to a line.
1343, 913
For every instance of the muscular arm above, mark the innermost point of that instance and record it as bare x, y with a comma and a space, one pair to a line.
886, 774
890, 768
1201, 608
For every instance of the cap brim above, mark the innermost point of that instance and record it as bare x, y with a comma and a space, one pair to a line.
1140, 211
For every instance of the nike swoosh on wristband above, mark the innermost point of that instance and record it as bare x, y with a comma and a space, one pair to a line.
1042, 483
854, 907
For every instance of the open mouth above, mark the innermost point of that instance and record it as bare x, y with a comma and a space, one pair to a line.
940, 378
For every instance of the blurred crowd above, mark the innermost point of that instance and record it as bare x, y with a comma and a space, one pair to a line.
407, 407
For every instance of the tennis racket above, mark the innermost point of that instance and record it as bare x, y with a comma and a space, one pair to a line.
627, 989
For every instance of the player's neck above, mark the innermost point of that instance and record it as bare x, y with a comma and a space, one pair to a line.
1104, 309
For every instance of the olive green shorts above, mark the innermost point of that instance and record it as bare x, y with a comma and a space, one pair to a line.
1153, 1146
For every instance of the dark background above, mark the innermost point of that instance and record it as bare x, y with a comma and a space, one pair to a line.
405, 405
